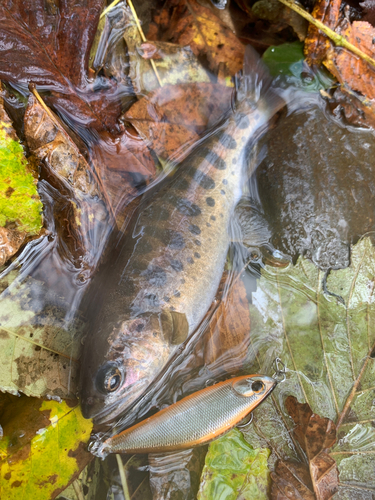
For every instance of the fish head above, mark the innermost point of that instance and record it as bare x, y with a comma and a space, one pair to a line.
126, 363
254, 386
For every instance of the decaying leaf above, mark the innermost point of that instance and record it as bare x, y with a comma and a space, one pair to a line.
173, 116
328, 346
39, 351
68, 171
187, 23
234, 470
228, 335
318, 479
20, 205
280, 15
316, 43
42, 449
349, 68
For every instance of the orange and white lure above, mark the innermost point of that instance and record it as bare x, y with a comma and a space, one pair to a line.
194, 420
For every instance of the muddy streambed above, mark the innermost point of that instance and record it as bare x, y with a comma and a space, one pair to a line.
168, 225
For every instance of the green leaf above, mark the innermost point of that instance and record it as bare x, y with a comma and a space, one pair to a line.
287, 62
19, 199
328, 347
233, 469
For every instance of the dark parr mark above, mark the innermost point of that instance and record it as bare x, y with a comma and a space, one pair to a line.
155, 275
228, 141
197, 255
212, 158
186, 207
177, 265
153, 300
213, 217
176, 293
198, 243
242, 121
174, 239
210, 201
194, 229
222, 191
205, 181
225, 182
208, 224
190, 260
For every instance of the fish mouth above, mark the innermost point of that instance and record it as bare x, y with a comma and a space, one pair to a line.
92, 407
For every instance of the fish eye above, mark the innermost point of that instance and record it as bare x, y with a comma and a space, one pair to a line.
108, 379
257, 386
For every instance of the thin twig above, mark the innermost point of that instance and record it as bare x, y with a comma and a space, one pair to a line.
123, 477
110, 7
144, 39
332, 35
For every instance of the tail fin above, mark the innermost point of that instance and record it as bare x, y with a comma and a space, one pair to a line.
255, 82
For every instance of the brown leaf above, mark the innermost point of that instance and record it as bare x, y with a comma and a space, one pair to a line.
349, 68
63, 28
124, 165
228, 336
67, 170
185, 22
174, 115
316, 43
49, 46
10, 242
319, 478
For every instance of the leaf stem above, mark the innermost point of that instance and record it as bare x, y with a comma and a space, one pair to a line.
332, 35
130, 3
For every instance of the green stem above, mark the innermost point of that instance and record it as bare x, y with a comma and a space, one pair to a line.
123, 477
332, 35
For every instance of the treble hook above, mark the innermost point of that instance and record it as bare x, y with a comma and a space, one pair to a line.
246, 422
280, 373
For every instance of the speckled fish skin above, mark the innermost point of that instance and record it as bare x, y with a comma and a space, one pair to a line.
193, 421
155, 294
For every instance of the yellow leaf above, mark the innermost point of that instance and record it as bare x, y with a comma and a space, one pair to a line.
43, 448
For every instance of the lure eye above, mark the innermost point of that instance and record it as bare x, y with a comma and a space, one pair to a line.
108, 379
257, 386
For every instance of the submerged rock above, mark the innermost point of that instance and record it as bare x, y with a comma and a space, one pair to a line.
316, 184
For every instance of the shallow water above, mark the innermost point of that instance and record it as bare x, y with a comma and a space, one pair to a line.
298, 280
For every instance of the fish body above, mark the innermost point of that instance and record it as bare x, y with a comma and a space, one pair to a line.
157, 291
195, 420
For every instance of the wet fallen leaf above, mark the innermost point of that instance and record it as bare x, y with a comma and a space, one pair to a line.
328, 347
33, 52
316, 43
349, 68
20, 205
286, 63
228, 335
173, 116
279, 15
39, 351
68, 171
319, 477
234, 470
42, 449
185, 22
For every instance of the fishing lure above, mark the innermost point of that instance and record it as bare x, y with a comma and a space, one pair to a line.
194, 420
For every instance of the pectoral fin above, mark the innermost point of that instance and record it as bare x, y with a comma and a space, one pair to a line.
175, 326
